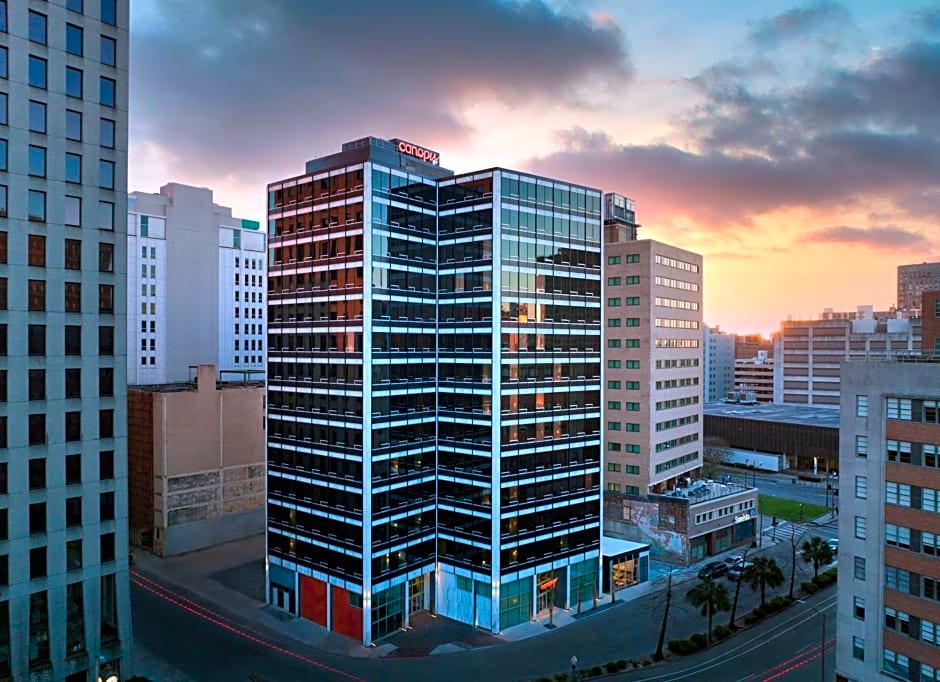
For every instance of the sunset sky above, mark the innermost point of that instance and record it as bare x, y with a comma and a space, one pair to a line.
796, 146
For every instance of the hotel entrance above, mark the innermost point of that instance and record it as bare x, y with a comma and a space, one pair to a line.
416, 594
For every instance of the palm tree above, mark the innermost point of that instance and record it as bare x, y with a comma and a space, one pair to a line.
763, 572
712, 597
818, 552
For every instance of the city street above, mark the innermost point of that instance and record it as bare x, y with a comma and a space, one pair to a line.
174, 629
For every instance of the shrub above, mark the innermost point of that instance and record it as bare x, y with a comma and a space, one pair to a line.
720, 632
777, 603
809, 587
750, 619
682, 647
596, 670
700, 640
647, 662
622, 664
562, 677
611, 666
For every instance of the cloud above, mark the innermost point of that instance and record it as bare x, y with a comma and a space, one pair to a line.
799, 22
886, 237
222, 81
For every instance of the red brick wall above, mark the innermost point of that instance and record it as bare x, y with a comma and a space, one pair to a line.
931, 323
140, 461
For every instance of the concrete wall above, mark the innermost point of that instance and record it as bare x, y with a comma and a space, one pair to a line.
207, 458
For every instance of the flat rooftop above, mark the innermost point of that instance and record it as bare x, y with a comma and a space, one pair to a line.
803, 415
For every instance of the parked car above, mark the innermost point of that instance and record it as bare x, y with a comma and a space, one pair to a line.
833, 545
738, 571
713, 570
733, 560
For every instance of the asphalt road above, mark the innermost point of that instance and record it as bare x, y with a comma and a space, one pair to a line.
781, 485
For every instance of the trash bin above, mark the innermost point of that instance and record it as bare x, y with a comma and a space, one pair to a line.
794, 481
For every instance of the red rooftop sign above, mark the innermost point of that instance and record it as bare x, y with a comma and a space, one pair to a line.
417, 152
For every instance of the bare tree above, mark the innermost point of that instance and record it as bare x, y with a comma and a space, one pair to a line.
658, 655
794, 543
737, 593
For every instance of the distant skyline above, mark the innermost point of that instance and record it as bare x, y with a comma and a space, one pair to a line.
796, 146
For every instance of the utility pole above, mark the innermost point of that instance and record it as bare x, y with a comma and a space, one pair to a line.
822, 656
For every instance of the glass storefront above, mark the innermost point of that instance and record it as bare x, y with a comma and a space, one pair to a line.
515, 603
387, 611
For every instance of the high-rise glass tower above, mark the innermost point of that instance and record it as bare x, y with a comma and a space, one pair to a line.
65, 609
434, 391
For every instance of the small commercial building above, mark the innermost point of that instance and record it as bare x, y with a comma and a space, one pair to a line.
625, 563
195, 462
807, 435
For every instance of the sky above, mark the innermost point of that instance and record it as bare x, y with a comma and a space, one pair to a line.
795, 146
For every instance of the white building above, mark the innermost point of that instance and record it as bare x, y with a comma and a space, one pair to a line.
719, 363
65, 609
196, 286
755, 375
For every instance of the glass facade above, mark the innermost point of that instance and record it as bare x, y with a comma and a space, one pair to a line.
433, 375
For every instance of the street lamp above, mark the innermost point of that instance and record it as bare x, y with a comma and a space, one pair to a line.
574, 669
801, 512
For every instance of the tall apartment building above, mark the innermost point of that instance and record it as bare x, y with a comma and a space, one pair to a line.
808, 353
433, 391
914, 280
719, 363
930, 321
195, 286
756, 375
888, 617
65, 609
653, 403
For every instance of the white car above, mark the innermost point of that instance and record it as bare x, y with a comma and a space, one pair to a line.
833, 545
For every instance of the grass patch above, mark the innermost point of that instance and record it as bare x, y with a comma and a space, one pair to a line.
789, 510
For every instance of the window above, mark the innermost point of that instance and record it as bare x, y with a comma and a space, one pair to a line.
105, 340
899, 408
860, 527
73, 469
897, 536
613, 322
107, 92
37, 384
613, 384
897, 621
107, 133
858, 648
73, 512
73, 167
73, 426
75, 6
73, 383
36, 250
613, 343
3, 154
106, 465
73, 340
37, 117
37, 518
858, 608
73, 125
105, 257
37, 563
4, 62
106, 423
37, 294
861, 406
105, 382
73, 254
36, 339
613, 447
73, 82
613, 302
613, 487
898, 493
38, 28
37, 473
75, 623
109, 12
37, 161
861, 446
613, 426
898, 451
37, 72
106, 215
73, 39
613, 281
106, 506
613, 364
633, 469
930, 543
613, 466
3, 213
613, 260
108, 51
105, 298
37, 205
861, 487
929, 499
633, 321
895, 663
107, 547
106, 174
860, 568
932, 411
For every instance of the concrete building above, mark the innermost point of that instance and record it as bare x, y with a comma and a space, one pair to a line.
756, 375
189, 261
914, 280
434, 397
805, 436
888, 612
719, 363
749, 346
653, 404
930, 321
65, 609
196, 462
808, 353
